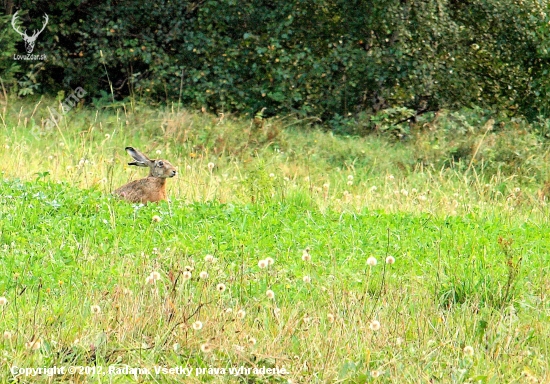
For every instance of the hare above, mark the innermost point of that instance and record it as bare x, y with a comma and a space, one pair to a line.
149, 189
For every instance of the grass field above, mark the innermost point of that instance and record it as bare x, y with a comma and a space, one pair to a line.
323, 258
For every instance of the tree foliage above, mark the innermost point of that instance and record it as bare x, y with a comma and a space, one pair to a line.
327, 58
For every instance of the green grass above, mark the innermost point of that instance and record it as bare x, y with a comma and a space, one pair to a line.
470, 249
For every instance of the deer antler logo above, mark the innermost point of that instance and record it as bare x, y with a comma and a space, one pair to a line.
29, 40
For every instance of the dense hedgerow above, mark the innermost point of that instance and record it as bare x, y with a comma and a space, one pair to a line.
328, 59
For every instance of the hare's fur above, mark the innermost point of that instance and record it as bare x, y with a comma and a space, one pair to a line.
151, 188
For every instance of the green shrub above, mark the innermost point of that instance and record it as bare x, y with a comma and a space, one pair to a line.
329, 59
8, 67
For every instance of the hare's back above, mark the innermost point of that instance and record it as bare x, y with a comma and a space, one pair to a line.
142, 191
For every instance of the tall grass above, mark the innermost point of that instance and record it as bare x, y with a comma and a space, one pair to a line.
91, 280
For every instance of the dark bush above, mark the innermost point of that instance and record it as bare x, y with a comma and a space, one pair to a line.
328, 58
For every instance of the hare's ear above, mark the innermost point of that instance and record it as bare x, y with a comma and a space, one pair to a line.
140, 159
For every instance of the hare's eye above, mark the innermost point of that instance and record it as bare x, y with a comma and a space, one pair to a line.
160, 164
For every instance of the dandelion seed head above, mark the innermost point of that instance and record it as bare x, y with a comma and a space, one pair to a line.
186, 275
330, 318
468, 350
220, 287
7, 335
210, 166
206, 348
306, 255
262, 264
371, 261
270, 261
375, 374
270, 294
33, 345
350, 177
209, 258
156, 219
203, 275
197, 325
3, 301
306, 279
155, 275
96, 309
241, 313
390, 260
374, 325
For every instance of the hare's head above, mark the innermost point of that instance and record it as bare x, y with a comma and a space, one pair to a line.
157, 168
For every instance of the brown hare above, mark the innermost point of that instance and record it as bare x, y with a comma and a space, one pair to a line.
149, 189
